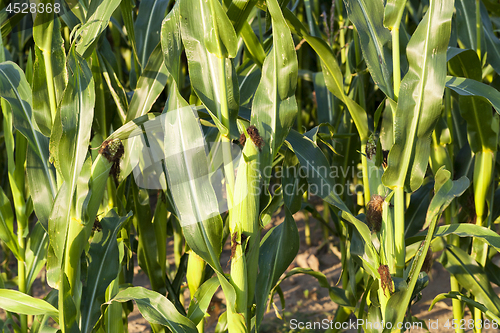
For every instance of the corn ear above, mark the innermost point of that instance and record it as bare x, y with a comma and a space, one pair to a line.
244, 223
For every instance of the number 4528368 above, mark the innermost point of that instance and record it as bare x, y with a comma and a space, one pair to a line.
33, 8
470, 324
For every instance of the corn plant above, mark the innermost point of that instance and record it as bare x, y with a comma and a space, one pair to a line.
126, 126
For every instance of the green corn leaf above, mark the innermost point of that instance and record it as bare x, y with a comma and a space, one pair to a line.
147, 27
332, 73
466, 24
213, 76
157, 309
97, 19
419, 202
277, 250
147, 255
15, 90
274, 106
68, 314
471, 276
474, 108
7, 224
484, 234
18, 302
149, 85
216, 33
446, 190
492, 41
187, 169
36, 253
201, 300
71, 130
316, 167
338, 295
194, 197
293, 184
127, 16
104, 265
69, 144
469, 87
254, 46
368, 17
238, 12
49, 71
466, 300
420, 98
171, 42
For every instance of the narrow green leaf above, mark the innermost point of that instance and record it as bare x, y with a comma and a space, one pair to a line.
157, 309
104, 265
49, 70
97, 20
467, 300
194, 196
368, 18
492, 41
468, 87
147, 27
127, 12
466, 23
207, 70
471, 276
277, 250
201, 300
18, 302
316, 167
446, 190
274, 106
7, 224
393, 10
474, 109
149, 85
36, 253
332, 73
171, 43
484, 234
15, 90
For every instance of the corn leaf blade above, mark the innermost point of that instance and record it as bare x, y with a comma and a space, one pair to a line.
420, 98
18, 302
156, 308
368, 18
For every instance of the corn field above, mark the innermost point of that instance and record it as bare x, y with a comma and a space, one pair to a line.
212, 126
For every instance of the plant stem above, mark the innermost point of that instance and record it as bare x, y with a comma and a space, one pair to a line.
399, 229
21, 272
454, 285
341, 33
